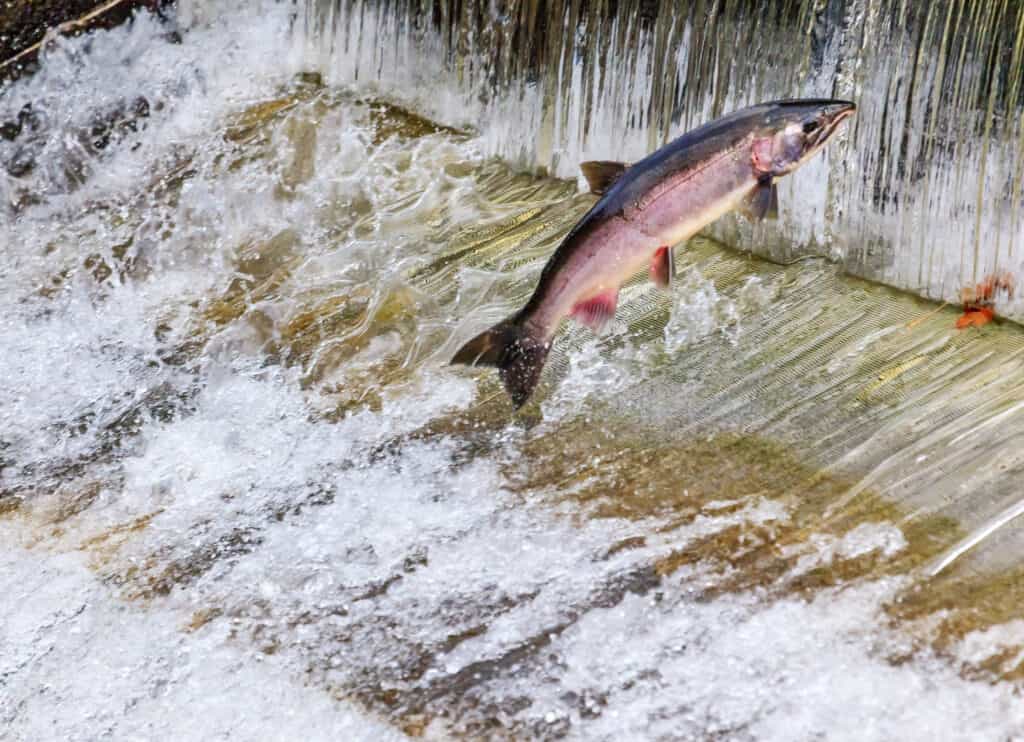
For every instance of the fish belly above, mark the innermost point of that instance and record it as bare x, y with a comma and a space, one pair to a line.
609, 256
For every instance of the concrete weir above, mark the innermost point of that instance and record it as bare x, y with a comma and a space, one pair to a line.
923, 192
244, 495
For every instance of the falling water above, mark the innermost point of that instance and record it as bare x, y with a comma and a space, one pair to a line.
244, 495
924, 192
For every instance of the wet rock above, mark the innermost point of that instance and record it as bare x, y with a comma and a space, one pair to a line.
73, 149
119, 121
21, 163
23, 25
9, 130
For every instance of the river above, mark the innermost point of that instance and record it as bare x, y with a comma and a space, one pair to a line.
243, 496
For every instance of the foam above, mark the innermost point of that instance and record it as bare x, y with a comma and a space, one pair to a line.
79, 666
245, 561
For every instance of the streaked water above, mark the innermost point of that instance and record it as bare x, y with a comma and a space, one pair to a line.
244, 496
923, 192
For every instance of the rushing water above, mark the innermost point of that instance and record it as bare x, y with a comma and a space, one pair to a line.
242, 495
923, 192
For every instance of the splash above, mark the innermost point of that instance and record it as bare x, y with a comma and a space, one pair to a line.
241, 487
699, 310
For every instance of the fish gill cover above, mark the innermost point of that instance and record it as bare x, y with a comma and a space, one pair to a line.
242, 494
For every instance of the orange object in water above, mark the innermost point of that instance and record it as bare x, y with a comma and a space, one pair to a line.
975, 318
980, 300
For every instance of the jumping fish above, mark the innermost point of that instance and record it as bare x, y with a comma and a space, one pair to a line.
644, 210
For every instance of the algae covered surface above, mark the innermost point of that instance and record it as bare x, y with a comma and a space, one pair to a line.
772, 503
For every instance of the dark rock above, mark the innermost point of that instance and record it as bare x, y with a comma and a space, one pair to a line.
24, 24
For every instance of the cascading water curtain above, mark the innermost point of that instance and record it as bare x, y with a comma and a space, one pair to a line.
924, 194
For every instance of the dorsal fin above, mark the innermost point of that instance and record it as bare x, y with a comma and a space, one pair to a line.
600, 174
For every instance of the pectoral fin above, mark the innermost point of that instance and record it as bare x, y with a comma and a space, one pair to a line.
763, 202
597, 310
663, 267
600, 174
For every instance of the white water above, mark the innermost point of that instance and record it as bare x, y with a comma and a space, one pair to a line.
201, 553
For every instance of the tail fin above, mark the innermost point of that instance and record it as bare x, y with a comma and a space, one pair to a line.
517, 351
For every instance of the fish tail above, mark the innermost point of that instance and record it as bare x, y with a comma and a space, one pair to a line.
516, 349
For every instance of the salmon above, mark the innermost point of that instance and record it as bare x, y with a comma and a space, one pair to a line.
644, 210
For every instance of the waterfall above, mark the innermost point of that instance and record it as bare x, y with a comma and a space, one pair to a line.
923, 191
244, 495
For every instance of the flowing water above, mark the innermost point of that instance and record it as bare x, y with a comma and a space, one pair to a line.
925, 192
243, 496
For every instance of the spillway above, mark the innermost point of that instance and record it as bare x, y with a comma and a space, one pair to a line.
243, 495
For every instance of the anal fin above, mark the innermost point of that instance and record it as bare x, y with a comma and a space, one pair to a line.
601, 174
763, 201
597, 310
663, 267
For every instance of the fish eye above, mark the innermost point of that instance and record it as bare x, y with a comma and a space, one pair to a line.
810, 126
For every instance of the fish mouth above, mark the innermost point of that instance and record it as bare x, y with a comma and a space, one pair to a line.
831, 118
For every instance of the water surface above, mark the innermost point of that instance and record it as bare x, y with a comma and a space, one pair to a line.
243, 494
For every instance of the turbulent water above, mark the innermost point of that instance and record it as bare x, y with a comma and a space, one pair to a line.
242, 496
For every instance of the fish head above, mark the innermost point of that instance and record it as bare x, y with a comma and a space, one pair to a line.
794, 131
